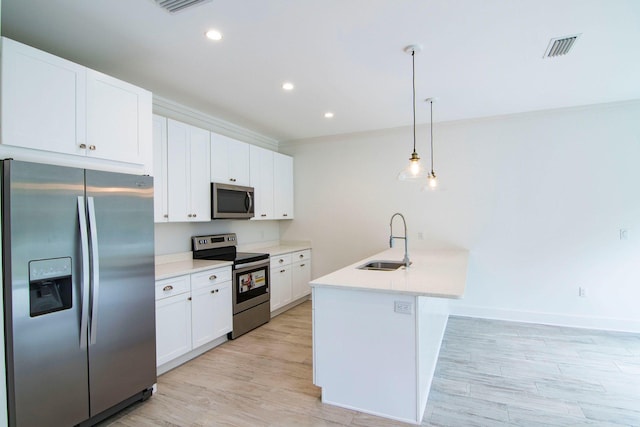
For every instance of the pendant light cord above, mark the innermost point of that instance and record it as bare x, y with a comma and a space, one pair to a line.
431, 104
413, 62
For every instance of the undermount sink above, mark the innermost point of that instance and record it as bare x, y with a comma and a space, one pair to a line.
382, 265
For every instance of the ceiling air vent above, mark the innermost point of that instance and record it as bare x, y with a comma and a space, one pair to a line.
178, 5
560, 46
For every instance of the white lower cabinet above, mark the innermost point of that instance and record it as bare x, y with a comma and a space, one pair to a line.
300, 274
191, 311
173, 318
290, 276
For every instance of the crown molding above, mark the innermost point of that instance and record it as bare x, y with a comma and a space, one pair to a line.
173, 110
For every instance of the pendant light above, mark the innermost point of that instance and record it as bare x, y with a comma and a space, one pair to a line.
414, 171
432, 180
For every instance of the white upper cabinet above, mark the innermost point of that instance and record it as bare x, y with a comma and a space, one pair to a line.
283, 186
43, 100
160, 185
229, 160
261, 179
118, 119
54, 105
188, 151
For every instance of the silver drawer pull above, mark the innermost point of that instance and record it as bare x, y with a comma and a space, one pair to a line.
285, 215
213, 277
263, 215
280, 260
232, 179
301, 255
302, 265
213, 291
83, 146
167, 288
282, 271
92, 147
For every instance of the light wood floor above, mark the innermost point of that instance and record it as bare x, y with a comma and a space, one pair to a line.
490, 373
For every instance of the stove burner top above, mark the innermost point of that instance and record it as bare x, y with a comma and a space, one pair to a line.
222, 247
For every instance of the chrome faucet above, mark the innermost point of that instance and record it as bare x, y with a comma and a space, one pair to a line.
405, 260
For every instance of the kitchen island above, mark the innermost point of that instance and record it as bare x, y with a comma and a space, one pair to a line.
377, 334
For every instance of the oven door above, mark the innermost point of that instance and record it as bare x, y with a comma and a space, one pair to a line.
251, 285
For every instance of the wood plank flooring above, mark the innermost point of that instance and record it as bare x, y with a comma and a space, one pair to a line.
489, 373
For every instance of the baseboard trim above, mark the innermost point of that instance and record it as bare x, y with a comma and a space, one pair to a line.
574, 321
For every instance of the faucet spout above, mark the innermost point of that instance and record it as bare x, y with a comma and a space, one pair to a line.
405, 260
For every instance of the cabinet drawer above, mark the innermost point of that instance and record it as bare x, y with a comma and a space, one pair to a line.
174, 286
301, 255
210, 277
284, 259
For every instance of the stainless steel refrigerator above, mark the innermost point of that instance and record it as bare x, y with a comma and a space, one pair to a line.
78, 276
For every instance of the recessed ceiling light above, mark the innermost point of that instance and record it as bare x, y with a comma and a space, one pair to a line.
328, 115
287, 86
213, 35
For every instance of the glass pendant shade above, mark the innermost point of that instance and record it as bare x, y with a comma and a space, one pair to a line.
414, 170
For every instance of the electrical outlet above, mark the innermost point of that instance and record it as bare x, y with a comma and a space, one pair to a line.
404, 307
582, 292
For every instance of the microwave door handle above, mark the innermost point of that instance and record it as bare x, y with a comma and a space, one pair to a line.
250, 199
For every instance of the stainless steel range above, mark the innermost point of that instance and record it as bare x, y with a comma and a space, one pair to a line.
251, 301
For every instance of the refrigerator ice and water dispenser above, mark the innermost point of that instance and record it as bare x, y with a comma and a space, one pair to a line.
49, 286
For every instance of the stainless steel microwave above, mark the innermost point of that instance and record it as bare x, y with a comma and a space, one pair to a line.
231, 201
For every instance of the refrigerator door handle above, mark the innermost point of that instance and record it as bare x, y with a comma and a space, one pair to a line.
95, 269
84, 243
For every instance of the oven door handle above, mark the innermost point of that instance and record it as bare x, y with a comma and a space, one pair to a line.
260, 263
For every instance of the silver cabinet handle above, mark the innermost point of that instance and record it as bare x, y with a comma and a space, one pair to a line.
213, 277
284, 215
166, 215
189, 215
95, 257
92, 147
263, 215
84, 305
213, 291
282, 271
280, 260
302, 265
83, 146
301, 256
167, 288
194, 215
189, 299
232, 179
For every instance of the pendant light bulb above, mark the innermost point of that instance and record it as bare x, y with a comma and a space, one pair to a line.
414, 164
432, 180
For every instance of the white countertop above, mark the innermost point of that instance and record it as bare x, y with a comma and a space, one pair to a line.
435, 273
178, 268
173, 265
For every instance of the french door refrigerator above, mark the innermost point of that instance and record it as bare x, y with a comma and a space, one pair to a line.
78, 276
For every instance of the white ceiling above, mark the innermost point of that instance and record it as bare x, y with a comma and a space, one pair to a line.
480, 57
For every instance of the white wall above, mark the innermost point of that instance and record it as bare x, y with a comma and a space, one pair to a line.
537, 198
175, 237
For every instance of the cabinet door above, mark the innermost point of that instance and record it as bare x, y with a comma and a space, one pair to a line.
118, 120
280, 287
212, 313
173, 328
261, 179
43, 100
178, 174
229, 160
188, 172
199, 168
160, 202
239, 162
283, 186
300, 278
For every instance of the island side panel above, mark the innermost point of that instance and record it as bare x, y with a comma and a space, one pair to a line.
433, 314
365, 353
